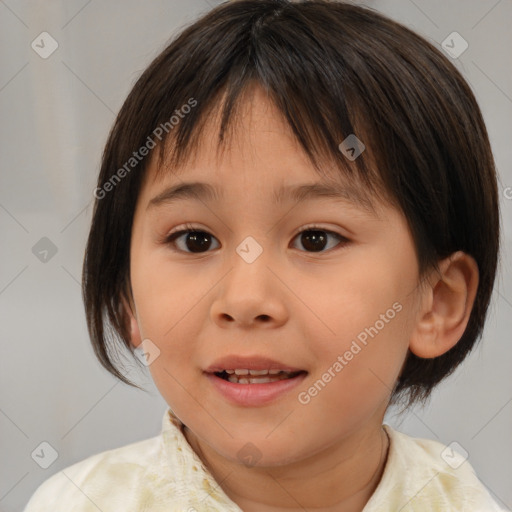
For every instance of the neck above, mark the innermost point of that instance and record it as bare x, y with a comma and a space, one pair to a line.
340, 478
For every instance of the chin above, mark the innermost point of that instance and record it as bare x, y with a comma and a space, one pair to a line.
256, 451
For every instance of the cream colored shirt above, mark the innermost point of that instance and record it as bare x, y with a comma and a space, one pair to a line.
165, 474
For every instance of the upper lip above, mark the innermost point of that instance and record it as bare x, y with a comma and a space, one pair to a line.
234, 362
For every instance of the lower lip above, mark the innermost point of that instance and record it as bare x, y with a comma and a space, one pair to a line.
253, 395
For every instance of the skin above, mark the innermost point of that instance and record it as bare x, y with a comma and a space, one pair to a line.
328, 454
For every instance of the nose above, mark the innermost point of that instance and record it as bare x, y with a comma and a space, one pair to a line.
250, 294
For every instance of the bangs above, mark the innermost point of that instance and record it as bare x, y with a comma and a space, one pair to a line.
318, 96
225, 111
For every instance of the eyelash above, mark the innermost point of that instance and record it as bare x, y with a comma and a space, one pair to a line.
188, 228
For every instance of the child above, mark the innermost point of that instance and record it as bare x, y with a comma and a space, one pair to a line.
336, 169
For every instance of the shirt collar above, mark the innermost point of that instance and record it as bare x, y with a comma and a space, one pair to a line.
203, 493
200, 490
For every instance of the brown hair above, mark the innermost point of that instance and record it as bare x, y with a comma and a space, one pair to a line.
332, 69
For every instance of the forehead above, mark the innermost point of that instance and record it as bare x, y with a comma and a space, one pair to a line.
260, 155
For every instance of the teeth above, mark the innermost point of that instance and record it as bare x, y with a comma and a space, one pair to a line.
245, 376
258, 372
251, 380
243, 371
259, 379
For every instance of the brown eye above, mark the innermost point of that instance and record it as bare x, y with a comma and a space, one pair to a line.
196, 241
193, 241
316, 240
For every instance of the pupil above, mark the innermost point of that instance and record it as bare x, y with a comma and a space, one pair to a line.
313, 240
200, 240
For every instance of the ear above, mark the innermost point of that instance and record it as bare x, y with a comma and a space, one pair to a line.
134, 332
446, 306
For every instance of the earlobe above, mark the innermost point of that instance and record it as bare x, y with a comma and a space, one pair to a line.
133, 327
446, 306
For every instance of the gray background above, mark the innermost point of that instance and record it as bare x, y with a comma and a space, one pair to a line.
55, 114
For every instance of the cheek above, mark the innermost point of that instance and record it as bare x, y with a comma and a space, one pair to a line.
163, 295
340, 307
364, 321
370, 362
169, 307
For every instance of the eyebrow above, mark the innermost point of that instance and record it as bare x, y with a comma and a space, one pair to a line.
298, 193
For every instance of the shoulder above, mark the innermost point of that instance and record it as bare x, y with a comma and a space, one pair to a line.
97, 478
427, 475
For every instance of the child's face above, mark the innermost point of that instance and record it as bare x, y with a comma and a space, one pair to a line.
301, 307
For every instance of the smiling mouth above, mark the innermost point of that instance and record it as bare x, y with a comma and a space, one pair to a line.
244, 376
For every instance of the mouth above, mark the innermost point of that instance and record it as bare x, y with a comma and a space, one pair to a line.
253, 381
246, 376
